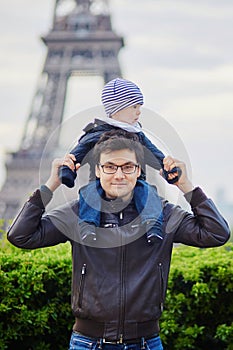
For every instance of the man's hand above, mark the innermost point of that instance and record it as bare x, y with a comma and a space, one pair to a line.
54, 182
184, 184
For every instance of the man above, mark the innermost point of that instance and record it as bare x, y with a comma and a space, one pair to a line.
119, 282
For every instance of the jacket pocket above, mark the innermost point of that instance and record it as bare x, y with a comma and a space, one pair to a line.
81, 285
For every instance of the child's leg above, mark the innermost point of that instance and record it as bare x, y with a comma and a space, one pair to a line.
149, 206
154, 230
89, 212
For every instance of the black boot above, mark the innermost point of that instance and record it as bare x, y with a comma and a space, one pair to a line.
67, 176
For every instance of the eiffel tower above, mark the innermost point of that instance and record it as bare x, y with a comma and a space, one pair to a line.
80, 42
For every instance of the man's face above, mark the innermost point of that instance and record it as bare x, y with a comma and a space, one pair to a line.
119, 184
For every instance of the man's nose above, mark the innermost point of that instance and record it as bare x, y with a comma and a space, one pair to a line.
119, 173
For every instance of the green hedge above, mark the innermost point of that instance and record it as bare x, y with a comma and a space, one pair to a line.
35, 310
199, 304
35, 299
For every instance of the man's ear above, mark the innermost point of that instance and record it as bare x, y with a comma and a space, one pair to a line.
139, 171
97, 171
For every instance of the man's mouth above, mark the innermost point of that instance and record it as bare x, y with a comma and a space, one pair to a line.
119, 184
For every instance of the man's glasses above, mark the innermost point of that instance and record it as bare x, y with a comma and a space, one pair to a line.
128, 168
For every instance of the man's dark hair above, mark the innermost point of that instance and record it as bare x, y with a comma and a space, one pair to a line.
116, 140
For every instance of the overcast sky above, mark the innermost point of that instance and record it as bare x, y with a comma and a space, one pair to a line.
180, 53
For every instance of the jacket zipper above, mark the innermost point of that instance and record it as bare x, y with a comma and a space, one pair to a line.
81, 285
122, 290
161, 285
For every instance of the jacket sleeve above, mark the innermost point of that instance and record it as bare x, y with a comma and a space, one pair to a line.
204, 227
32, 228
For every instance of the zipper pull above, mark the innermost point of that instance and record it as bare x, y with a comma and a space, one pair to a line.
121, 339
161, 307
121, 215
83, 269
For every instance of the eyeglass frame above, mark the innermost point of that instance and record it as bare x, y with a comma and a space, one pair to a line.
119, 166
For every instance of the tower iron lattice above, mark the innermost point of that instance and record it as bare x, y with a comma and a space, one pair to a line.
81, 42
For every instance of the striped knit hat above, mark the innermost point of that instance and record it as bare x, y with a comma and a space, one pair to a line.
120, 93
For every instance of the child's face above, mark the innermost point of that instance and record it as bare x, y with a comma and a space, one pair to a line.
128, 115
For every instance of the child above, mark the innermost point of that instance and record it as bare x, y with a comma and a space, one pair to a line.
122, 100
